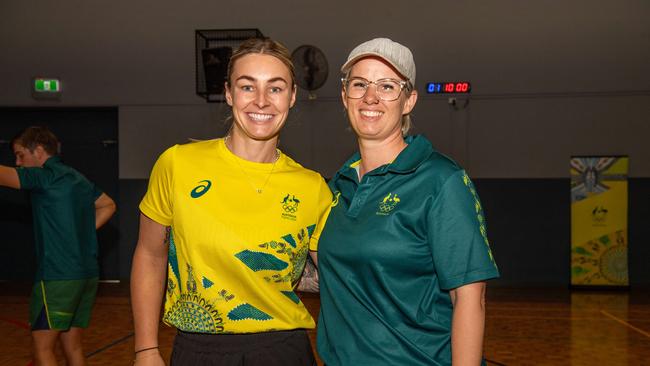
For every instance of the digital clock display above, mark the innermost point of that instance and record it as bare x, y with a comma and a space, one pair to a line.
450, 87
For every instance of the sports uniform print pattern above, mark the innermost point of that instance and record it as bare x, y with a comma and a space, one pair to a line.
190, 312
277, 261
479, 213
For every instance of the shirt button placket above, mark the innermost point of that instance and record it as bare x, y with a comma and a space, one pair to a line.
360, 197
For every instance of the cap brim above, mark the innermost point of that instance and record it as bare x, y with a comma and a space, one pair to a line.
348, 64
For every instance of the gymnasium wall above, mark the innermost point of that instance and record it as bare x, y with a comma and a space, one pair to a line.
550, 80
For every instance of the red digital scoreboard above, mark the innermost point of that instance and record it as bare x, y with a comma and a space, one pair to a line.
449, 87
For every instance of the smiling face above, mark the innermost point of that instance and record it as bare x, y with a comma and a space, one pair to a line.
260, 93
373, 118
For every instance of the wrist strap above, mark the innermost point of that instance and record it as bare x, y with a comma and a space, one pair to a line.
145, 349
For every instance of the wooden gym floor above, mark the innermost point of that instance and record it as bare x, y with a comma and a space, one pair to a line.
524, 327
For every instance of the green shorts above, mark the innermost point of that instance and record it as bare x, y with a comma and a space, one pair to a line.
59, 305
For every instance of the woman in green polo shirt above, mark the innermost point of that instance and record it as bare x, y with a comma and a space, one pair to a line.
404, 256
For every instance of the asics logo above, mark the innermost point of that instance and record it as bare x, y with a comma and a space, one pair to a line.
201, 189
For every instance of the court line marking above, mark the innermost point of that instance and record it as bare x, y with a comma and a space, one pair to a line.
625, 323
16, 323
494, 362
102, 349
544, 317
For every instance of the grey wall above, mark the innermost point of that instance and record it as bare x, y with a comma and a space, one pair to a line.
550, 78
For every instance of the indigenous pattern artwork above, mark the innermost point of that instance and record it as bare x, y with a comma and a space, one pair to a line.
479, 213
199, 303
601, 260
193, 311
296, 252
599, 221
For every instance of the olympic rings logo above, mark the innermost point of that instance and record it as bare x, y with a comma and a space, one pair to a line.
291, 209
386, 207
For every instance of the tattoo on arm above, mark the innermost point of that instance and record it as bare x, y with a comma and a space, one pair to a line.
309, 280
168, 231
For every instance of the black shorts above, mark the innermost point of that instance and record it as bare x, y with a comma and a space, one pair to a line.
283, 348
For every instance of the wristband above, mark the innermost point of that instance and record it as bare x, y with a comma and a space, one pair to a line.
145, 349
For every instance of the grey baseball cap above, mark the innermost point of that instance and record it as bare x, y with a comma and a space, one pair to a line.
399, 56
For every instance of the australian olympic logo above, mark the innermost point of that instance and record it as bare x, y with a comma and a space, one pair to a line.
599, 215
388, 204
290, 206
290, 203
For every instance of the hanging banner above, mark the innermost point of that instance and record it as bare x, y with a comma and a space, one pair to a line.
599, 221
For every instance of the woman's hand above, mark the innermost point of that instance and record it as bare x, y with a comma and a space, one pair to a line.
149, 358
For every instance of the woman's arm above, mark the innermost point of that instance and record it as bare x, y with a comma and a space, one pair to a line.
468, 324
309, 279
148, 278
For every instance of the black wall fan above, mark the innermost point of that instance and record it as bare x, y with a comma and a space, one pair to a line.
311, 68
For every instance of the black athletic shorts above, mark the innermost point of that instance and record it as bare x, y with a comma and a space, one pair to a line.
283, 348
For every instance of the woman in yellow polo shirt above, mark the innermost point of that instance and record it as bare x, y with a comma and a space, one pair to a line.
225, 229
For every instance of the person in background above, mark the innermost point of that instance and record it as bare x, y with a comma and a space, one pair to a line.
404, 256
225, 228
67, 210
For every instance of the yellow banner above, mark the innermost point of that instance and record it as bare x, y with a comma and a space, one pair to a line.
599, 221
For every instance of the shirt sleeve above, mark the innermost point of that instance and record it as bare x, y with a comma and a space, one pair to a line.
458, 235
33, 178
157, 203
324, 207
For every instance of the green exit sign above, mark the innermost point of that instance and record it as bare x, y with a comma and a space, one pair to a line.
42, 85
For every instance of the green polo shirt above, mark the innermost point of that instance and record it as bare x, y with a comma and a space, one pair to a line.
63, 206
393, 246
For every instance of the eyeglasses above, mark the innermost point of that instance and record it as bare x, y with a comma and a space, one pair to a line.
385, 89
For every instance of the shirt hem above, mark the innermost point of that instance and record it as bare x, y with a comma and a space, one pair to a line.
474, 276
152, 214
